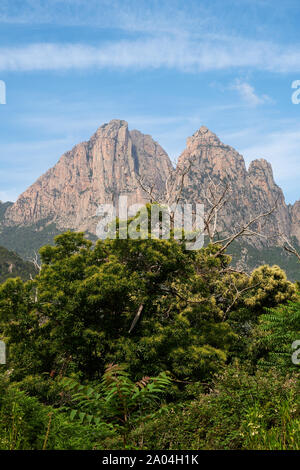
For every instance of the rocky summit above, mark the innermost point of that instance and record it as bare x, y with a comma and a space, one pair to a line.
250, 192
92, 173
115, 159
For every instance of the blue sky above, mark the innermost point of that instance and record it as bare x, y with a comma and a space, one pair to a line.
166, 67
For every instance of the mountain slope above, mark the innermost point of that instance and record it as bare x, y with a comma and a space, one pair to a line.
92, 173
3, 208
250, 193
11, 265
113, 161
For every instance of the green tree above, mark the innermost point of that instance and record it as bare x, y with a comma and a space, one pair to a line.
273, 288
148, 303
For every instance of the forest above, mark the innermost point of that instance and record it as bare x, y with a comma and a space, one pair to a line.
142, 344
11, 265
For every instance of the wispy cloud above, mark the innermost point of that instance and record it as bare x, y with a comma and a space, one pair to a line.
190, 39
129, 15
179, 53
248, 94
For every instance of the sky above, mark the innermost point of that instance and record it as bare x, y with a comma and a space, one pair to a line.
166, 67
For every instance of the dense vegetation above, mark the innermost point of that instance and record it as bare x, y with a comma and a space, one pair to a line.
250, 257
141, 344
26, 240
11, 265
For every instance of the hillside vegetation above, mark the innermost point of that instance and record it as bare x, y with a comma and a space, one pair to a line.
11, 265
140, 344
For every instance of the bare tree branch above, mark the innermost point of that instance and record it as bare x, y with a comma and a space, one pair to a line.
237, 296
35, 262
289, 247
147, 190
244, 230
216, 202
136, 318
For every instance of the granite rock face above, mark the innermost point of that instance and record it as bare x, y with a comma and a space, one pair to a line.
250, 192
3, 208
92, 173
112, 161
295, 220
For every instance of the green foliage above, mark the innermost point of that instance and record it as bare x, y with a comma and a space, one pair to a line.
152, 306
22, 418
253, 257
26, 240
279, 328
28, 424
240, 412
118, 404
21, 326
79, 311
273, 288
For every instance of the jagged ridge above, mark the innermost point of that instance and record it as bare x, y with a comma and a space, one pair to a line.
107, 165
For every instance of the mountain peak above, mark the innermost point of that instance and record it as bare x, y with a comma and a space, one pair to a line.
261, 163
203, 130
92, 173
114, 159
116, 129
115, 123
261, 168
203, 136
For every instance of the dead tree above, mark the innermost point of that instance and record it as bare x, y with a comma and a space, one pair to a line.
35, 261
216, 197
287, 245
245, 230
172, 193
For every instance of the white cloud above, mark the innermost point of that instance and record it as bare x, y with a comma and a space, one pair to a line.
168, 51
126, 15
248, 94
193, 38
